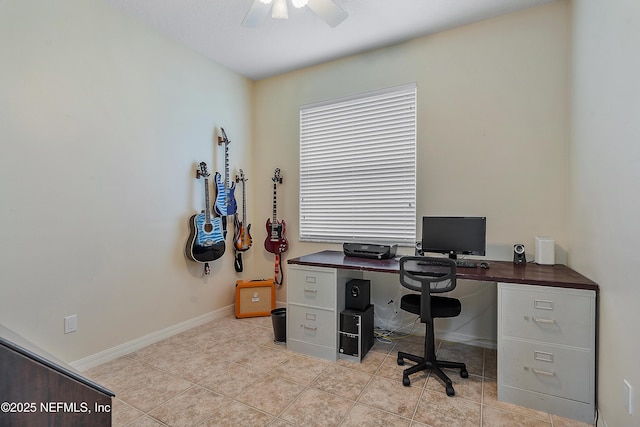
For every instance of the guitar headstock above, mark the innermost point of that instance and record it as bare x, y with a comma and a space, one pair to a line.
222, 139
277, 178
241, 177
202, 170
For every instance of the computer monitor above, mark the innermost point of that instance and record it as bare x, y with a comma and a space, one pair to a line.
454, 236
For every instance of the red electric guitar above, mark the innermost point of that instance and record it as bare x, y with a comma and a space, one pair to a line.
276, 242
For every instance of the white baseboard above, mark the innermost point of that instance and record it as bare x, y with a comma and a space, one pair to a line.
466, 339
601, 422
404, 322
138, 343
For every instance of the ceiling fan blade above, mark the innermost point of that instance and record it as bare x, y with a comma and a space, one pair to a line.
329, 11
256, 14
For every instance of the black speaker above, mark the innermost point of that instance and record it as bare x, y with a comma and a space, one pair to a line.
518, 254
419, 251
357, 294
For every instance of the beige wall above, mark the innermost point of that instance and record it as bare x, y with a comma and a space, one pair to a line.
102, 121
105, 119
605, 174
492, 134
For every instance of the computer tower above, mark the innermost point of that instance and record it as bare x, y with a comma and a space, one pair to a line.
356, 333
357, 294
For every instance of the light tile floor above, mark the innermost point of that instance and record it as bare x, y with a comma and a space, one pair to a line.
230, 373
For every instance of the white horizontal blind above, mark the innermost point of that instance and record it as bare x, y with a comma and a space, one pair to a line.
358, 168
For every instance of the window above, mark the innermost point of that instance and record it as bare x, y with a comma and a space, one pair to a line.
358, 168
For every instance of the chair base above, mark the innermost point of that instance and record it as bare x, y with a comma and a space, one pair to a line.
434, 366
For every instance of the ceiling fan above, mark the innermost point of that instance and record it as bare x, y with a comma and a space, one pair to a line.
328, 10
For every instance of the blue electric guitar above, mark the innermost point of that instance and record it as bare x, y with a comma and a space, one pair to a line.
206, 240
225, 200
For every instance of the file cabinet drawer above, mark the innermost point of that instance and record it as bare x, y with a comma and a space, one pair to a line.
553, 370
546, 314
313, 286
314, 326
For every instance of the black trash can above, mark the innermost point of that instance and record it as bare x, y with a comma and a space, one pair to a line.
279, 320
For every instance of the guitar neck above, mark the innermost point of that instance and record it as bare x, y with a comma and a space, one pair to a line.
226, 171
274, 222
244, 205
206, 201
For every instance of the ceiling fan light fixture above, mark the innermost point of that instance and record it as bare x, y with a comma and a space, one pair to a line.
279, 10
327, 10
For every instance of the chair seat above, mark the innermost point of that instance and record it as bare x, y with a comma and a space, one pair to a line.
440, 306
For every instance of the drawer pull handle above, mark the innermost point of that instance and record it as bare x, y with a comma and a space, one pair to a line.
543, 304
312, 291
543, 356
311, 328
546, 373
547, 321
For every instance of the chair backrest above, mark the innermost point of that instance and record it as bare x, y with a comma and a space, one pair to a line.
438, 273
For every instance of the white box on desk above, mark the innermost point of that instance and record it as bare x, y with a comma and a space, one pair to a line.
545, 251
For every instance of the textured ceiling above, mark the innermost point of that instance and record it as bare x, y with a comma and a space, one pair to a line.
212, 27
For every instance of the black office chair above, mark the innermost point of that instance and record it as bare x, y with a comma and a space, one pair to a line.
428, 276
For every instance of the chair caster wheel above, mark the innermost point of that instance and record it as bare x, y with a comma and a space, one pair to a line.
464, 373
450, 391
400, 361
406, 382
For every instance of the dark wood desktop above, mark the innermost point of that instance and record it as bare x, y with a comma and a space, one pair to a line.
38, 389
499, 271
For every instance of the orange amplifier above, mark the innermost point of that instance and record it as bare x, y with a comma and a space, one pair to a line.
255, 298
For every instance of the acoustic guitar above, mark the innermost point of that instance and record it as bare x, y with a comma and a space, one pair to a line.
206, 240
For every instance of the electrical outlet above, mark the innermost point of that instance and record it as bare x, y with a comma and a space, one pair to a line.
70, 324
628, 394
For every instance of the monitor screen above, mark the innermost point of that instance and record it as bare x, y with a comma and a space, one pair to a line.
454, 235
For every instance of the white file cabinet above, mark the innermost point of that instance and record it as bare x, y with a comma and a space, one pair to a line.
546, 348
315, 298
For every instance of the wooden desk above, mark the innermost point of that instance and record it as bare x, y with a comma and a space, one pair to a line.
500, 271
546, 325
